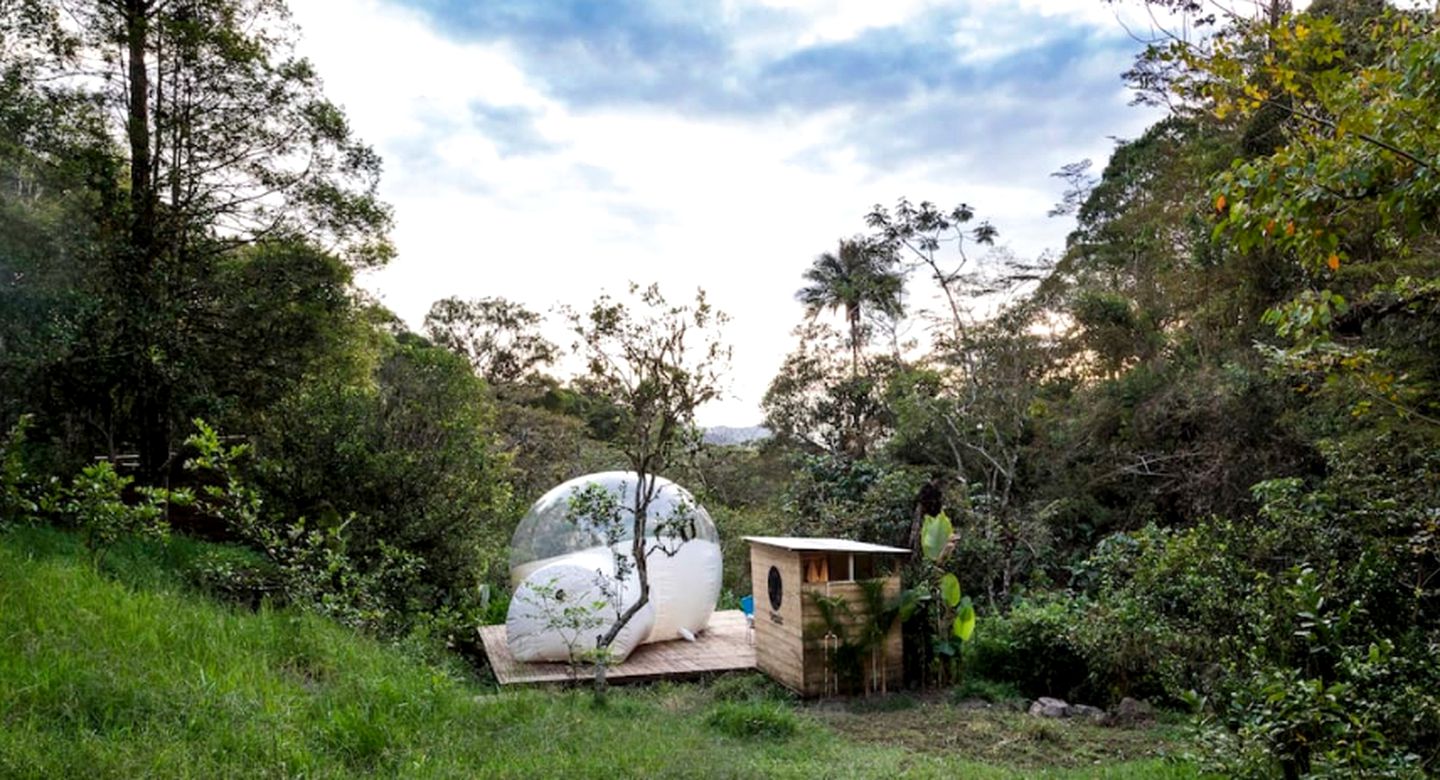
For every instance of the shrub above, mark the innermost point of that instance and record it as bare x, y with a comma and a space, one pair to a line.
754, 720
1033, 647
1169, 604
18, 489
312, 566
855, 499
95, 503
404, 456
1309, 630
234, 574
1342, 708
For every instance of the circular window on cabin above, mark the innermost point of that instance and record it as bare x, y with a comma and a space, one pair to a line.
776, 588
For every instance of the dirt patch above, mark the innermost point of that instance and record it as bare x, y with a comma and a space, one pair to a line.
996, 734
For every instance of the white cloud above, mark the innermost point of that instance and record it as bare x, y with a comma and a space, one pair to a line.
829, 21
729, 204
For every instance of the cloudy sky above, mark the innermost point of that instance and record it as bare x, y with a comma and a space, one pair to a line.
544, 151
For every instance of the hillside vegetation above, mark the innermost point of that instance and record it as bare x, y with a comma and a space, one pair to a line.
1192, 458
128, 674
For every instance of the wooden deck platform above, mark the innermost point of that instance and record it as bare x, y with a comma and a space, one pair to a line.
723, 646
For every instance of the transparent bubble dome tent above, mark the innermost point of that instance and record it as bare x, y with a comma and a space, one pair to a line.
560, 560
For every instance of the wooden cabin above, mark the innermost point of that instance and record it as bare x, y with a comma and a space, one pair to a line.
815, 626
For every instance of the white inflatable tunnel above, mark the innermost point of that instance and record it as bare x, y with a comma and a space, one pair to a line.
562, 571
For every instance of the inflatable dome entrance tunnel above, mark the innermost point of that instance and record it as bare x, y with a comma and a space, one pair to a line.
563, 569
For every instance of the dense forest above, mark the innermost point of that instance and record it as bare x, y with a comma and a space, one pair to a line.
1193, 457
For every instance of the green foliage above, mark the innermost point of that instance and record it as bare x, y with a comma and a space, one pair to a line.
310, 567
851, 648
1113, 329
1102, 431
1289, 625
935, 535
742, 476
230, 499
188, 178
236, 575
579, 400
734, 525
568, 616
1342, 709
820, 403
17, 488
949, 585
403, 455
864, 500
499, 338
655, 363
858, 277
1034, 648
862, 278
948, 616
545, 448
1342, 194
191, 687
964, 626
970, 412
94, 502
856, 634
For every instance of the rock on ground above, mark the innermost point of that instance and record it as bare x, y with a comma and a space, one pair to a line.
1086, 711
1130, 712
1047, 707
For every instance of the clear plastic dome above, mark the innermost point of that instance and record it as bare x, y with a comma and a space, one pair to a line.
548, 531
557, 536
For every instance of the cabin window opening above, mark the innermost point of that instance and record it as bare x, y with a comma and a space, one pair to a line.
840, 567
816, 567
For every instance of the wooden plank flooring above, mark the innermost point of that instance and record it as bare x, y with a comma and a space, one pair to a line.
724, 645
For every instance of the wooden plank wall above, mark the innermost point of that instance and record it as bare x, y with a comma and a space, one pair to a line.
882, 670
779, 638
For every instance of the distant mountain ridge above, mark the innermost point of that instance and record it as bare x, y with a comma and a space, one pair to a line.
725, 434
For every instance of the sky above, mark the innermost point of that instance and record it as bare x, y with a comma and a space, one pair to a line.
547, 151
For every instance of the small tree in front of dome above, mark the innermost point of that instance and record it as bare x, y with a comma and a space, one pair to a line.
656, 362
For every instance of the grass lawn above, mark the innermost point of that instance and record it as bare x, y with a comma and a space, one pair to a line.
999, 734
130, 673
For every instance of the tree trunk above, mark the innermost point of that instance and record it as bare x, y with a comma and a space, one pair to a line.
641, 512
152, 408
852, 314
602, 686
142, 191
856, 444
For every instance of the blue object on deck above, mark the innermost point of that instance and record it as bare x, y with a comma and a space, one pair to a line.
747, 605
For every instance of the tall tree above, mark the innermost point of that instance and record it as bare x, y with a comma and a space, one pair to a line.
498, 337
817, 401
224, 139
857, 277
973, 399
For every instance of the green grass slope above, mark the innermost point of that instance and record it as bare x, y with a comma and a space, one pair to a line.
128, 673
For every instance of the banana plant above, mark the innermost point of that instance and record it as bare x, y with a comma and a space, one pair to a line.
952, 613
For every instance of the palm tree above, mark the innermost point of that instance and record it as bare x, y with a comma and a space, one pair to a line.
856, 278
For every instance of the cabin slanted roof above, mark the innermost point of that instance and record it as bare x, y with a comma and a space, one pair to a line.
808, 544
